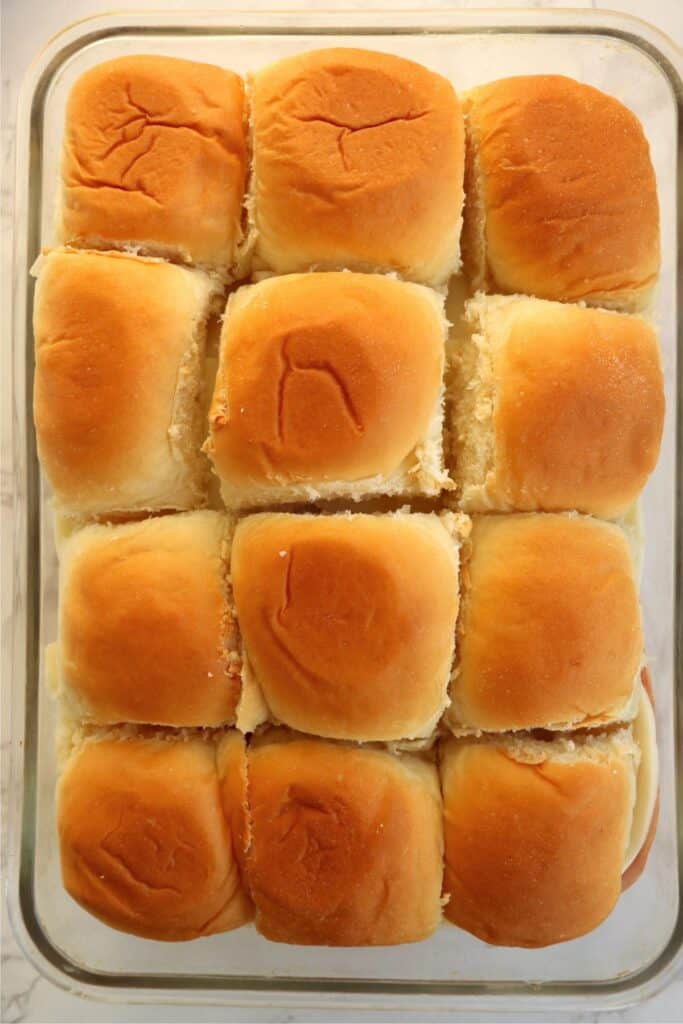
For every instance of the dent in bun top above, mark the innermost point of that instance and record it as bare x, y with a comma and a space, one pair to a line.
358, 163
346, 843
562, 193
328, 384
348, 621
155, 155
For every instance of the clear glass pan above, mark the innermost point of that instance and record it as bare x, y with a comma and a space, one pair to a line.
637, 949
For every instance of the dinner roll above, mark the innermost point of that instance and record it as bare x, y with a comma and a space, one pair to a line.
117, 386
145, 844
155, 158
348, 622
329, 385
346, 843
358, 163
146, 628
555, 407
549, 634
535, 834
562, 198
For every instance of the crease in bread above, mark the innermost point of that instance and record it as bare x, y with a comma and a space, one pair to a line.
329, 386
554, 406
117, 385
474, 215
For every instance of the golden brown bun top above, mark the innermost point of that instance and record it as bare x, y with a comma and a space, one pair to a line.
155, 152
325, 377
579, 406
569, 190
144, 842
111, 332
534, 851
550, 628
346, 845
359, 163
145, 630
348, 621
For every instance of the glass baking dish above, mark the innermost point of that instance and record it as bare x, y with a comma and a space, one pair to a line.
638, 948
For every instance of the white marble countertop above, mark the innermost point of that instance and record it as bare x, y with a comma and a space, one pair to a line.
26, 996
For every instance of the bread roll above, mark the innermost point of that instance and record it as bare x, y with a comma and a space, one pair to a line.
549, 635
348, 621
562, 197
155, 158
117, 386
535, 834
146, 627
555, 407
145, 844
358, 163
329, 385
346, 844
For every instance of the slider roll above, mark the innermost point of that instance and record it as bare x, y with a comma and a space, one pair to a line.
358, 164
154, 160
561, 194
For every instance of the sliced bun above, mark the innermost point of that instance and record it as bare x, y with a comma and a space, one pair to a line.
117, 386
155, 158
329, 385
146, 630
556, 407
535, 835
145, 844
549, 634
348, 621
358, 163
562, 197
346, 843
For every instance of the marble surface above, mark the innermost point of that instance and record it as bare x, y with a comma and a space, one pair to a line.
26, 996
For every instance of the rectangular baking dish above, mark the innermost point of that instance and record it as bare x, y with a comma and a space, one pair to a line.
638, 948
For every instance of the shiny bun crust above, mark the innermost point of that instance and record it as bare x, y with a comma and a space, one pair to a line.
562, 197
330, 385
556, 407
549, 634
358, 163
146, 632
155, 157
535, 835
346, 844
145, 844
348, 622
118, 344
